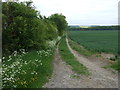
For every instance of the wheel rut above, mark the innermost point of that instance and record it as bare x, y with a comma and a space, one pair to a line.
63, 76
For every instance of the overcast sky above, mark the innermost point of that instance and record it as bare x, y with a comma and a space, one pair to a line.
81, 12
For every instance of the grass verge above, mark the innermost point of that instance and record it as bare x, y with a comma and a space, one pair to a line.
80, 49
68, 57
27, 70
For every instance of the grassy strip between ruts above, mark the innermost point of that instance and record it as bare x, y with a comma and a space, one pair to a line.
68, 57
27, 70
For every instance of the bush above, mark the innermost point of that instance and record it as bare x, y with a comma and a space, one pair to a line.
25, 28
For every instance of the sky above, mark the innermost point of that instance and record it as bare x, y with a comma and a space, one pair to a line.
81, 12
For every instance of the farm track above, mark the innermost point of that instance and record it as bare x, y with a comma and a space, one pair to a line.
63, 75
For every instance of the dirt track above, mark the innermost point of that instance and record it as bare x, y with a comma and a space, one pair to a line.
99, 77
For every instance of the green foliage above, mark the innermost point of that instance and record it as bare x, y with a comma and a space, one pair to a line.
21, 27
25, 28
51, 30
71, 60
60, 22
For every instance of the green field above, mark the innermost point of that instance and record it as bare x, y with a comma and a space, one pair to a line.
97, 41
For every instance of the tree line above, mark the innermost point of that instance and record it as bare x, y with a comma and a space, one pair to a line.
23, 27
72, 28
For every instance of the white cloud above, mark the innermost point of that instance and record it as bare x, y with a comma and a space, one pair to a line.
82, 12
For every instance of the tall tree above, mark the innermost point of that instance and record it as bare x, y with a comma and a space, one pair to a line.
60, 22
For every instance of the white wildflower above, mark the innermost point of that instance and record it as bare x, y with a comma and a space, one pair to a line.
41, 64
3, 57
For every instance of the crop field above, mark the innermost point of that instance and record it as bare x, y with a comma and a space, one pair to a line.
97, 41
